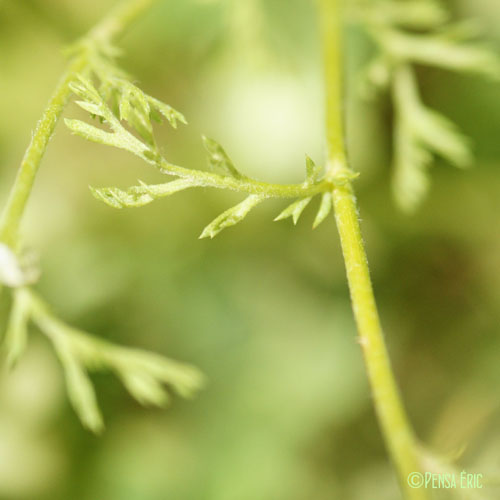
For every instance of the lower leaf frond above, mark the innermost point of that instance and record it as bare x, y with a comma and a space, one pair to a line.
145, 375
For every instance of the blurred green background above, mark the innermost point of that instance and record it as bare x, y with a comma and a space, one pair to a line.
263, 309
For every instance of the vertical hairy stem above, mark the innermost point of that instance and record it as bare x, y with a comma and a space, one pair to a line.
106, 30
20, 192
397, 432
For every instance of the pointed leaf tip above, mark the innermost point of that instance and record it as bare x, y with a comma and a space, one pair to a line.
110, 196
81, 390
324, 210
312, 170
294, 210
171, 114
94, 134
16, 336
231, 217
219, 159
92, 108
134, 107
145, 388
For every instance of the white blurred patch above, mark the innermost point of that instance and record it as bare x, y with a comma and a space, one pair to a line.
267, 122
16, 272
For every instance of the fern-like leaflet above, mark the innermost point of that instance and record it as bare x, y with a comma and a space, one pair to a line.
406, 34
116, 100
145, 375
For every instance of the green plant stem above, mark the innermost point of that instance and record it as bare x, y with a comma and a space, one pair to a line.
20, 192
398, 434
244, 185
105, 31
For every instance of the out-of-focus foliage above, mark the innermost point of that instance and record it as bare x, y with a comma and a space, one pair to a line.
406, 34
144, 374
263, 309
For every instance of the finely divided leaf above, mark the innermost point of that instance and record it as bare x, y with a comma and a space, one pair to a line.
92, 133
232, 216
218, 158
420, 133
294, 210
120, 138
411, 161
443, 137
171, 114
146, 389
133, 106
85, 89
146, 373
445, 52
117, 198
81, 391
138, 196
92, 108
